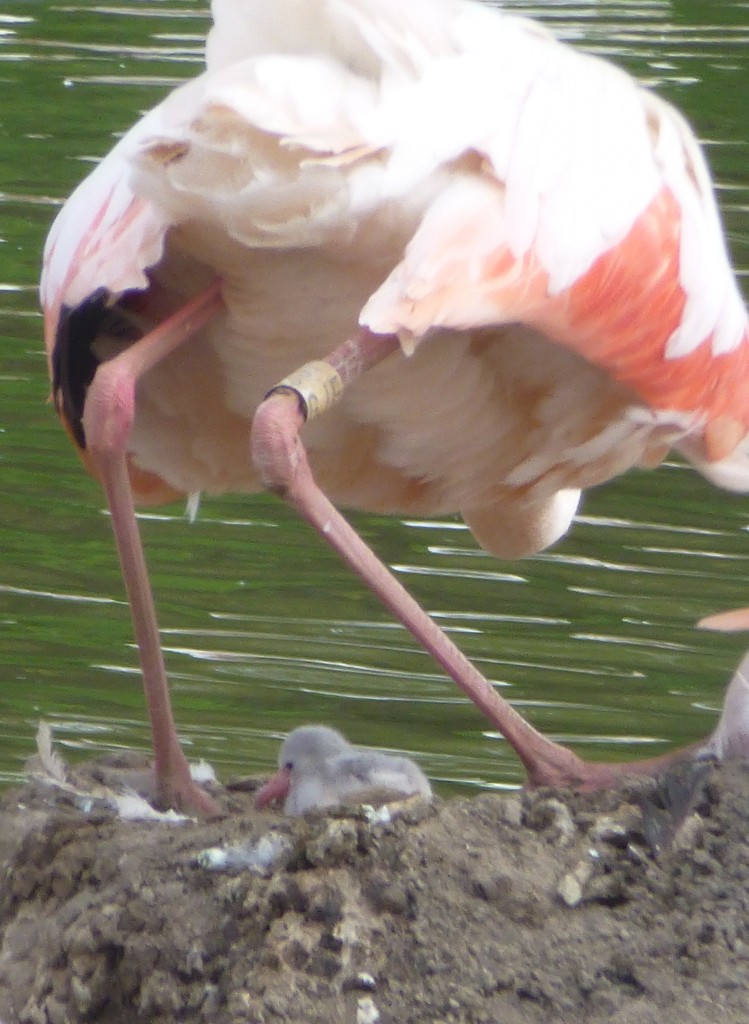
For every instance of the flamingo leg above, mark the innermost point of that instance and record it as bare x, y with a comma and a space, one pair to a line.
107, 421
278, 452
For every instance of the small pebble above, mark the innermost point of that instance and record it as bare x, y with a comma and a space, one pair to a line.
366, 1011
690, 834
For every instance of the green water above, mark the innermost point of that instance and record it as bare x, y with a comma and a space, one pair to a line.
263, 629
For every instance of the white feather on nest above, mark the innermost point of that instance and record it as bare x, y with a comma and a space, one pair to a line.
49, 769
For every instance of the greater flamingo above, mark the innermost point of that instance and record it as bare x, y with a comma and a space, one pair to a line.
486, 270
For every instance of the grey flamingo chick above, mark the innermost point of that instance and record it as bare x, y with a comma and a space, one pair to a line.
318, 768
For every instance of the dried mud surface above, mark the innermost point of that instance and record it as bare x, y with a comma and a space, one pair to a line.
624, 908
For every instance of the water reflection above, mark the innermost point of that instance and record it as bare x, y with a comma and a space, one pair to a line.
594, 638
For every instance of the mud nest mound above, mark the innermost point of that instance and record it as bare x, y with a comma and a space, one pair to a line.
626, 908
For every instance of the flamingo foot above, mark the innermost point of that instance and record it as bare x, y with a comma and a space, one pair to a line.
726, 622
175, 788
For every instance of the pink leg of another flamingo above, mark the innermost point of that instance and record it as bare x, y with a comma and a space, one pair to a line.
107, 421
280, 456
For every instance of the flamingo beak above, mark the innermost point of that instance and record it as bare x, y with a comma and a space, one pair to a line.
275, 789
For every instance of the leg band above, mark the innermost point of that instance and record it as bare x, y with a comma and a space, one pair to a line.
317, 384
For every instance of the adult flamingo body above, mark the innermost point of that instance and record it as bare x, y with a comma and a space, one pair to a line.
512, 250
